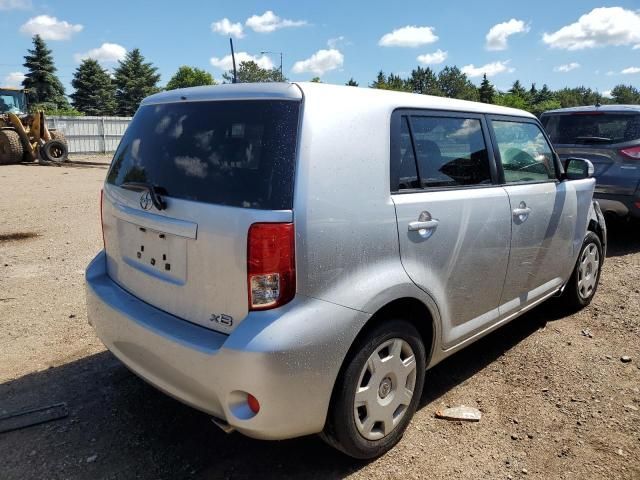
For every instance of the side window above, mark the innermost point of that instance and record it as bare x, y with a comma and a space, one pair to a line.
525, 153
408, 175
451, 151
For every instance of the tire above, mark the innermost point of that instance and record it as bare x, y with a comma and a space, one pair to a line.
583, 284
58, 135
54, 151
11, 148
388, 388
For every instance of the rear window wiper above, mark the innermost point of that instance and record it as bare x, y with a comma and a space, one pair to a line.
154, 192
593, 139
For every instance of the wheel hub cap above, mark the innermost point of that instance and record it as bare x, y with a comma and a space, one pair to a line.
385, 389
588, 270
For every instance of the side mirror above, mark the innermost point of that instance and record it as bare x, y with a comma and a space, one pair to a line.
578, 169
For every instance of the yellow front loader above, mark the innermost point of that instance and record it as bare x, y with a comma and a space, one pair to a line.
25, 137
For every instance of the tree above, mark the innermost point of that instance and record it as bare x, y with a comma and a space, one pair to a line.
455, 84
540, 107
543, 95
44, 88
486, 92
380, 81
251, 72
95, 93
190, 77
518, 90
424, 81
512, 100
625, 94
316, 80
134, 81
351, 83
574, 97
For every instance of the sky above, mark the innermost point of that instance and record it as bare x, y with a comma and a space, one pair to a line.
560, 42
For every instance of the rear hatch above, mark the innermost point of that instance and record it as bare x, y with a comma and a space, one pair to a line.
217, 167
600, 137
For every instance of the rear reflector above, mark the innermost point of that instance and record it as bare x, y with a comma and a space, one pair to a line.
631, 152
253, 403
271, 271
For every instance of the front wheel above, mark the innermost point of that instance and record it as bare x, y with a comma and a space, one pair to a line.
583, 283
378, 391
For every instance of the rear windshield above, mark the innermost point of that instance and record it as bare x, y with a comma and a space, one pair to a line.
592, 128
237, 153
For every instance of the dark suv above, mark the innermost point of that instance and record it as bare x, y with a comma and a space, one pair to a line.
609, 136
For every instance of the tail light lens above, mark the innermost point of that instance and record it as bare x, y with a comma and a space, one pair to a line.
104, 244
631, 152
271, 270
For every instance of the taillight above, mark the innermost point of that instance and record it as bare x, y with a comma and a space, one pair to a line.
104, 244
631, 152
271, 265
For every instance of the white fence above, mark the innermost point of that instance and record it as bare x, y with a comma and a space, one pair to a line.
90, 134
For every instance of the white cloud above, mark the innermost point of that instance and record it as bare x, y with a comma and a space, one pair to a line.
107, 53
610, 73
50, 28
15, 4
334, 42
490, 69
607, 94
320, 62
409, 36
225, 27
14, 79
601, 26
269, 22
630, 70
226, 63
434, 58
566, 67
636, 47
498, 35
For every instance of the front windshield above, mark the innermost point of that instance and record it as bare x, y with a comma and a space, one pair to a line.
12, 101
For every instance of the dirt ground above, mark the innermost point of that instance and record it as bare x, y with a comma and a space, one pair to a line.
557, 403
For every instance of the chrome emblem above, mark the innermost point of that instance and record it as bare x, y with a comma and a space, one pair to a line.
145, 200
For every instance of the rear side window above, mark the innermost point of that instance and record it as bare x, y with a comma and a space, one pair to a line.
592, 128
236, 153
447, 151
524, 152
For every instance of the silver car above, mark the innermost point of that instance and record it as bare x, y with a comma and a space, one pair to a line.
292, 258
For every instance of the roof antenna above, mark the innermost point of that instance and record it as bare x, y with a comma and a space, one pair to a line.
233, 57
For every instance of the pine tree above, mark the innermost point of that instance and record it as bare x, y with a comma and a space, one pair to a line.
486, 91
424, 81
190, 77
351, 83
543, 95
134, 81
380, 81
455, 84
43, 85
95, 93
518, 90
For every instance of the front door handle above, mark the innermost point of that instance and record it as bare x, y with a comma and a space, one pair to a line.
522, 212
417, 226
425, 225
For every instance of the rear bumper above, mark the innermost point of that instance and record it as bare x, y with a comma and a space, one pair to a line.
619, 205
288, 358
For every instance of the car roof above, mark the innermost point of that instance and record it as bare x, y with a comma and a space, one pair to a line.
336, 93
597, 108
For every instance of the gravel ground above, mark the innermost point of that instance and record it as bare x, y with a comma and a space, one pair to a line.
556, 402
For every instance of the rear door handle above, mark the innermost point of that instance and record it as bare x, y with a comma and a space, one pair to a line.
417, 226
